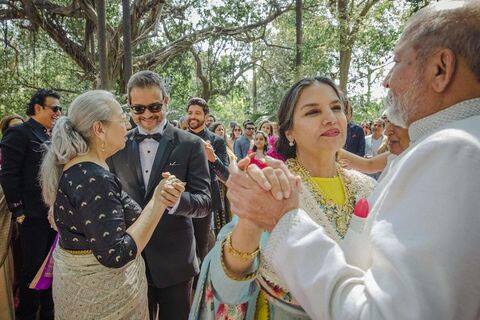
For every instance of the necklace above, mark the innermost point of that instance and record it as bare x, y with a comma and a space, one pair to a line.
338, 215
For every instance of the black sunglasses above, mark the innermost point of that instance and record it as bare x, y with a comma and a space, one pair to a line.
55, 109
153, 108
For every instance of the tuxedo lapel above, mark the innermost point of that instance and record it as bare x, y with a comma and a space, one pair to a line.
134, 159
165, 147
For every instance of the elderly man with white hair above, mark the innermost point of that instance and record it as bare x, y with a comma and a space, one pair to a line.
418, 255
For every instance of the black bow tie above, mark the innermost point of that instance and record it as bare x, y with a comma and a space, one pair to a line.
140, 137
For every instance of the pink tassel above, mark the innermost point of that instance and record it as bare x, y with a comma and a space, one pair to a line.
362, 208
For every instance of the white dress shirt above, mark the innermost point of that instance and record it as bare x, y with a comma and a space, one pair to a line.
148, 150
420, 258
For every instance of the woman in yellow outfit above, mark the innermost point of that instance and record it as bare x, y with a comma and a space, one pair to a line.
235, 282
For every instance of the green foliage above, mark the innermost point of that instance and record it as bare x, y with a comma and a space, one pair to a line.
30, 59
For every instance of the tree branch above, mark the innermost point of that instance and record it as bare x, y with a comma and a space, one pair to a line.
184, 43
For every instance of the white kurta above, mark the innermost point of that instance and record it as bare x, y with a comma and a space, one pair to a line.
421, 256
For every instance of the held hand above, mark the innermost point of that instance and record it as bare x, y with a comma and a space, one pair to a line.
251, 200
209, 152
169, 190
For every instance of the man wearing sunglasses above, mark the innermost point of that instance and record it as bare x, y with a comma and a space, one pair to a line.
153, 147
244, 143
22, 151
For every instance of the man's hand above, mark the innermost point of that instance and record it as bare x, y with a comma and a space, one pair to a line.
262, 196
210, 152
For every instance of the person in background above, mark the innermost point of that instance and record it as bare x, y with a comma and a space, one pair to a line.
355, 136
22, 149
397, 141
235, 133
216, 151
174, 123
210, 119
367, 128
10, 251
219, 129
183, 123
265, 126
259, 150
374, 141
244, 142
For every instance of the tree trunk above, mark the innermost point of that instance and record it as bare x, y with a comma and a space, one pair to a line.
127, 45
299, 40
102, 45
345, 59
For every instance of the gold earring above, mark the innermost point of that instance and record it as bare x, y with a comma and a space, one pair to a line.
103, 146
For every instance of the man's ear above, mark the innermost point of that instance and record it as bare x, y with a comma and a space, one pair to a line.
37, 108
166, 100
444, 64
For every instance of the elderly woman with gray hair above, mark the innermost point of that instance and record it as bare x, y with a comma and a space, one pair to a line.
98, 270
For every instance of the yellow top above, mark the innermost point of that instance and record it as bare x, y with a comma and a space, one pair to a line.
331, 189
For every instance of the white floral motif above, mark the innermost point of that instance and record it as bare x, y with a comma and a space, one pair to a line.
97, 198
88, 222
101, 216
106, 233
92, 180
111, 251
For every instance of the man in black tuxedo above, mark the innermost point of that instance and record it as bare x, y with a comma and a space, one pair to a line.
216, 150
22, 152
154, 147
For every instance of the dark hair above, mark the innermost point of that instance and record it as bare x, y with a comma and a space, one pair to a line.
214, 126
146, 79
265, 149
248, 122
199, 102
214, 119
232, 133
39, 98
5, 122
174, 123
269, 124
287, 109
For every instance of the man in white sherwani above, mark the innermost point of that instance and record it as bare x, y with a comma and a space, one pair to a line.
419, 255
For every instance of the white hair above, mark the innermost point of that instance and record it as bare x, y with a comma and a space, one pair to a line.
453, 24
71, 137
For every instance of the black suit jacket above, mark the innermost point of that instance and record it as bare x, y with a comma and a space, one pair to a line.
170, 253
355, 142
22, 152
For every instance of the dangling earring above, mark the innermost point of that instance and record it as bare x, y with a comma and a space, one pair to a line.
291, 143
103, 146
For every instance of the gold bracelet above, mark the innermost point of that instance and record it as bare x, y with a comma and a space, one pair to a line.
246, 277
242, 255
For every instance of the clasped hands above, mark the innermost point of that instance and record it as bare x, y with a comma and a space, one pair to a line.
169, 190
262, 196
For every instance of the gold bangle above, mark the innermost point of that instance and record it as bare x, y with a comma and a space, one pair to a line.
242, 255
246, 277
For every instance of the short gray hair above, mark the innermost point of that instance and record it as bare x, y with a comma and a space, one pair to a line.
146, 79
71, 137
447, 24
